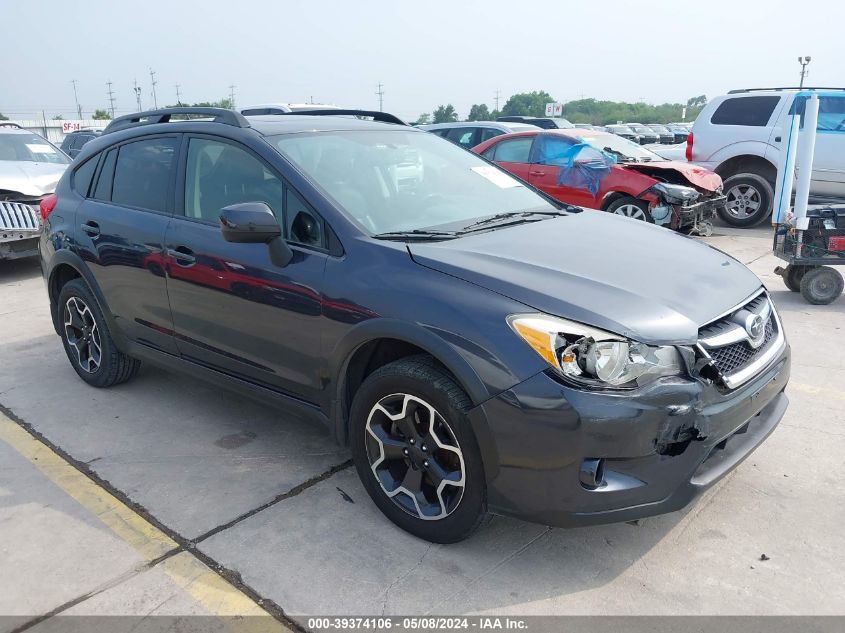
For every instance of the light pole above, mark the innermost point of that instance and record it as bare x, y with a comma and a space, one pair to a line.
803, 61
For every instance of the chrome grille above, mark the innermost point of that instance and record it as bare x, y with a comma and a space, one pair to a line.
741, 343
17, 216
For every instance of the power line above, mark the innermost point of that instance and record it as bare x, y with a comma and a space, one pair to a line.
76, 98
154, 82
497, 99
380, 93
178, 96
232, 96
111, 98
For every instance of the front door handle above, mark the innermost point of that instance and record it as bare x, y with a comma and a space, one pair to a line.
91, 228
183, 256
777, 139
536, 173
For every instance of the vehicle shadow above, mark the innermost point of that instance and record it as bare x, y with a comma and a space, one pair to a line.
16, 270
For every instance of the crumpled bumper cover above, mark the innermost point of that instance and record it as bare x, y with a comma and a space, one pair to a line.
661, 446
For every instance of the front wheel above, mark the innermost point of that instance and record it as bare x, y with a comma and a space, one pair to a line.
415, 451
631, 208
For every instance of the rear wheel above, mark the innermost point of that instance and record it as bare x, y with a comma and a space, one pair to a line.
415, 451
792, 276
821, 285
748, 200
87, 340
631, 208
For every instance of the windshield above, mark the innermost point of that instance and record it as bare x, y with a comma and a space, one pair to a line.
622, 148
405, 180
31, 148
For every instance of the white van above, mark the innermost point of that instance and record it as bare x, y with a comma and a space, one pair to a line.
740, 135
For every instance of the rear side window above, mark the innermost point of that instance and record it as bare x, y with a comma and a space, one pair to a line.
102, 191
84, 175
488, 132
754, 111
514, 150
142, 173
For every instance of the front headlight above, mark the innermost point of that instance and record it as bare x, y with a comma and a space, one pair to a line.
676, 194
591, 357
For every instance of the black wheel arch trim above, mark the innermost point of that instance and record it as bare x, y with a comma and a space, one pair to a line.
428, 341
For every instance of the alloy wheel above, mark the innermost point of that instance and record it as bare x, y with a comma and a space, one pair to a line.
82, 334
631, 211
742, 201
415, 456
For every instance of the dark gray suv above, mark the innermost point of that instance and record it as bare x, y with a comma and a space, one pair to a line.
479, 346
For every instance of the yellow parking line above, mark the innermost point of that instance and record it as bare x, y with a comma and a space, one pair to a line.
216, 595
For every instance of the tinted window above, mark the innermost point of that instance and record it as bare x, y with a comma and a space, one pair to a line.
462, 136
553, 149
83, 175
488, 132
220, 174
831, 113
142, 173
303, 226
745, 111
513, 150
104, 180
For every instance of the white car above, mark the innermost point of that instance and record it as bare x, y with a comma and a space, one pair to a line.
468, 134
30, 168
264, 109
740, 136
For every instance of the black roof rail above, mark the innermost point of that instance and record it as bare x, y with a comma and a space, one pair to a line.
10, 124
375, 115
733, 92
217, 115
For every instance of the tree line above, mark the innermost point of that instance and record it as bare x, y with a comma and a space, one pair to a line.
579, 111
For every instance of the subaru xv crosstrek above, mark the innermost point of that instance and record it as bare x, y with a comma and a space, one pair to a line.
479, 346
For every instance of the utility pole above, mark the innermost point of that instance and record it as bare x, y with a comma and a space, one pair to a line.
232, 97
497, 99
153, 81
178, 96
111, 98
76, 98
137, 89
803, 61
380, 93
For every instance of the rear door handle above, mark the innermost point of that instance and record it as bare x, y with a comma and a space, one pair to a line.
536, 173
183, 256
91, 228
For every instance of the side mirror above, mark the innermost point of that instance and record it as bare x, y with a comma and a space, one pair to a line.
254, 223
249, 222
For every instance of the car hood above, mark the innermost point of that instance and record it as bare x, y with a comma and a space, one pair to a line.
678, 172
603, 270
30, 178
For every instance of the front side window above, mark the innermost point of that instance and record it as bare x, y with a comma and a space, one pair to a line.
401, 180
554, 149
221, 174
30, 148
753, 111
831, 113
142, 173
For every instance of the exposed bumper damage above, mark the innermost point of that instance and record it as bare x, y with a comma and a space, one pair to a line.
572, 457
20, 225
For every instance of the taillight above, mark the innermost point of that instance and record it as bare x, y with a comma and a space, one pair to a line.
688, 153
47, 205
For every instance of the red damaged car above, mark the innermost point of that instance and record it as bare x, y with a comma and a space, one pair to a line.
604, 171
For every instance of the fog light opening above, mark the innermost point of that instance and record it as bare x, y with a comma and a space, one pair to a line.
592, 473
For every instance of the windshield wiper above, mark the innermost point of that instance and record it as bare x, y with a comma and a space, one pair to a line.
416, 234
511, 217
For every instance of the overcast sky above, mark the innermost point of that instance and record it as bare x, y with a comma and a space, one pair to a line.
425, 53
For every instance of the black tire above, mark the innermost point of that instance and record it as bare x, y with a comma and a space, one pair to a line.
112, 366
624, 207
419, 377
792, 276
822, 285
744, 191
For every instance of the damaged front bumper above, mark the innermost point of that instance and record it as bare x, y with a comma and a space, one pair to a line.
568, 457
687, 215
20, 227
